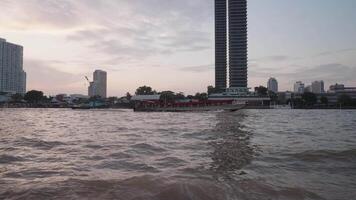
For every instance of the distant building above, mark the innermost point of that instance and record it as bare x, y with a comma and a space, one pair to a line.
317, 87
272, 85
299, 87
99, 85
12, 75
308, 88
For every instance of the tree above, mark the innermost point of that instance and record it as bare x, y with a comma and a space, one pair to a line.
167, 96
179, 96
128, 96
201, 96
345, 100
145, 90
273, 96
17, 97
212, 90
324, 100
34, 96
309, 98
261, 90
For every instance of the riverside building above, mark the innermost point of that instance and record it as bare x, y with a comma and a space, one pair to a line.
234, 14
299, 87
317, 87
99, 85
12, 75
272, 85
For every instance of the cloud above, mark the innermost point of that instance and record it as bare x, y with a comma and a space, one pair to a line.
328, 53
42, 75
198, 68
275, 58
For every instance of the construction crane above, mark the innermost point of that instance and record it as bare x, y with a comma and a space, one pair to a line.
87, 79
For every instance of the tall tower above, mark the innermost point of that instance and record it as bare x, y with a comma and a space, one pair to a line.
220, 44
12, 75
99, 85
234, 14
238, 43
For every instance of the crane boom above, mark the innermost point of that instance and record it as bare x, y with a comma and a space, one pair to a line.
87, 79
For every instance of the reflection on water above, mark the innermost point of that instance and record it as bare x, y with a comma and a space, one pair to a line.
117, 154
231, 143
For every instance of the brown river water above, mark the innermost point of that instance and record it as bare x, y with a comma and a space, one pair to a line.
119, 154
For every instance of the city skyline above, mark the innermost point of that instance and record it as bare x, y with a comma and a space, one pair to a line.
155, 49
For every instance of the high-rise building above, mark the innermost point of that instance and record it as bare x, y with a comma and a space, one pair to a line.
238, 43
317, 87
220, 44
272, 85
99, 85
235, 34
12, 75
299, 87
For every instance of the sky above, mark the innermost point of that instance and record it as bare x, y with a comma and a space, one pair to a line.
169, 44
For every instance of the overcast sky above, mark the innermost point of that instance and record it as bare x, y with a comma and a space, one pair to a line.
169, 44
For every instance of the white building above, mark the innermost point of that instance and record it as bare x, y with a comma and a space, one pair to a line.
12, 75
99, 85
317, 87
299, 87
272, 85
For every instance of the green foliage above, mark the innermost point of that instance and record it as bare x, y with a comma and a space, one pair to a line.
169, 96
17, 97
212, 90
128, 96
324, 100
145, 90
273, 96
345, 100
34, 96
309, 98
201, 96
261, 90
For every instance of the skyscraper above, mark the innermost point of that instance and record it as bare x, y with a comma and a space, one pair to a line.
272, 85
99, 85
220, 44
12, 75
236, 18
238, 43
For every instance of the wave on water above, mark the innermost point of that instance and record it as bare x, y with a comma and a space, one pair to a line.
37, 143
156, 188
321, 155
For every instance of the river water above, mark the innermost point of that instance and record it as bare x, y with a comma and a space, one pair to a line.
119, 154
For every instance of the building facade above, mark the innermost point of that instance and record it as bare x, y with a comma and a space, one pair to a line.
233, 13
272, 85
12, 75
220, 44
299, 87
317, 87
99, 85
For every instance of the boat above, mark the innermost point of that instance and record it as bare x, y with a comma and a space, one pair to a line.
232, 106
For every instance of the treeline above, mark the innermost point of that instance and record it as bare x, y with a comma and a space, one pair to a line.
171, 96
310, 100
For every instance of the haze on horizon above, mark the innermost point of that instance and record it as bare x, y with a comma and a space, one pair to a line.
169, 45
